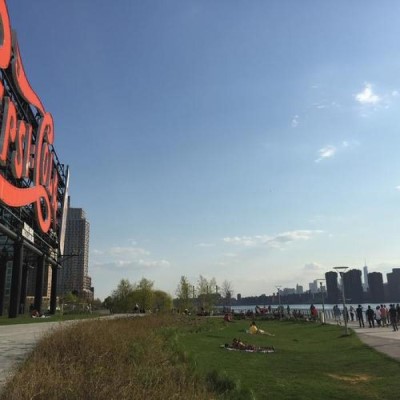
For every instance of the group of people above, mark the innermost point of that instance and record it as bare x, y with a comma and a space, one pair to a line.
381, 316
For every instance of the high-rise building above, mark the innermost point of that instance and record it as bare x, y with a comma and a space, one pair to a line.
74, 274
376, 291
353, 286
332, 287
393, 280
366, 282
313, 286
299, 289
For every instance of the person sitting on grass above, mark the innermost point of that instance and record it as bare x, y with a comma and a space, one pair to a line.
254, 330
237, 344
228, 317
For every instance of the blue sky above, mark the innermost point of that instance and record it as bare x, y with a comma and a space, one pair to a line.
250, 141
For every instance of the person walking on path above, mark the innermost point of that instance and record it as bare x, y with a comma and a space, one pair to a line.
352, 313
383, 315
370, 317
360, 316
336, 313
378, 316
393, 317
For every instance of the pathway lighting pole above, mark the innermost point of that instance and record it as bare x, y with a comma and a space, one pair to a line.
342, 271
323, 300
279, 301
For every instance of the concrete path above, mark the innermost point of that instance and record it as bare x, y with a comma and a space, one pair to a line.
383, 340
16, 341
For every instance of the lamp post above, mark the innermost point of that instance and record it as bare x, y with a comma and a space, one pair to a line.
341, 271
323, 300
279, 301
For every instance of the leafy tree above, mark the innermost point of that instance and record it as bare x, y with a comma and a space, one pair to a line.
162, 301
122, 297
206, 292
71, 298
183, 294
144, 294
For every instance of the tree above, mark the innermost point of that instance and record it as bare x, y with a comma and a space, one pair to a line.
123, 297
183, 294
206, 292
227, 292
144, 294
162, 301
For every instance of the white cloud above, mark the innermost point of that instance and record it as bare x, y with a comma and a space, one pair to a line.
312, 267
129, 257
295, 121
277, 241
398, 188
128, 251
326, 152
141, 264
205, 245
395, 93
367, 96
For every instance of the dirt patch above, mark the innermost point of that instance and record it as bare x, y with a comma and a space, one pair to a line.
352, 379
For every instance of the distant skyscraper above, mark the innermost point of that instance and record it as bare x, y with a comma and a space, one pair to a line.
365, 283
332, 287
393, 279
74, 273
353, 286
376, 291
299, 289
313, 286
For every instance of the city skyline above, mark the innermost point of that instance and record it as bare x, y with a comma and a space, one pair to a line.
250, 143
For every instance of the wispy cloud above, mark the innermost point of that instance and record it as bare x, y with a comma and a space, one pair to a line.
398, 188
326, 152
277, 241
367, 96
295, 121
330, 151
205, 245
126, 257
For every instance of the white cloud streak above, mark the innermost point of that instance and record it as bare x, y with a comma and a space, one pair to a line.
367, 96
277, 241
326, 152
129, 257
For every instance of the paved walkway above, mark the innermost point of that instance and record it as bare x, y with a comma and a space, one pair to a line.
383, 340
17, 340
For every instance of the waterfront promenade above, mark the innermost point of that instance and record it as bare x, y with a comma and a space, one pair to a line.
16, 341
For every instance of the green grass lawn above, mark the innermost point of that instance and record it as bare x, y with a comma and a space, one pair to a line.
311, 361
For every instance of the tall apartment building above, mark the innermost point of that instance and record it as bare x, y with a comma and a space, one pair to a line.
353, 286
332, 287
376, 289
393, 280
74, 273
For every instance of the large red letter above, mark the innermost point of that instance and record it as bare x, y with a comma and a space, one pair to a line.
5, 46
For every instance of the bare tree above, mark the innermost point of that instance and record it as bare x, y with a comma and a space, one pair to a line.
227, 292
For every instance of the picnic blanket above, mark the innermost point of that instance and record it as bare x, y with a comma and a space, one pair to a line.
253, 350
